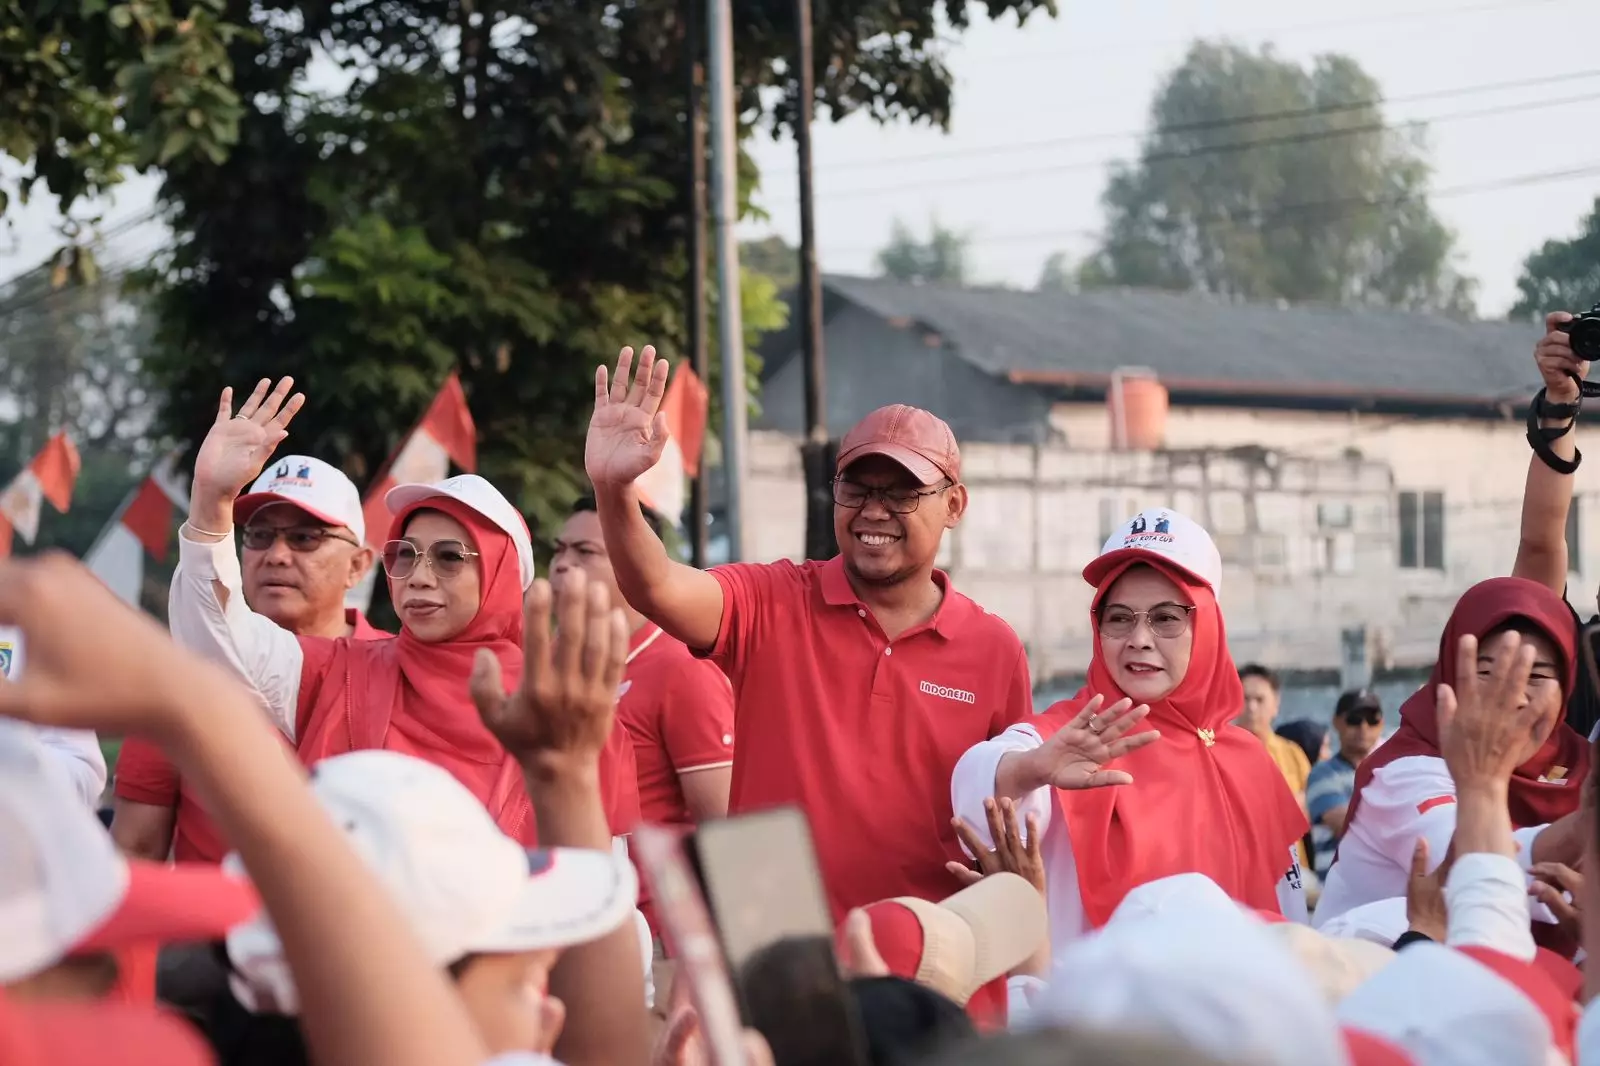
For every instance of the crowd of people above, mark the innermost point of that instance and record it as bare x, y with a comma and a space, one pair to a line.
460, 842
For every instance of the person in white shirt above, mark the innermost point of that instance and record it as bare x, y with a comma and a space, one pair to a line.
75, 753
1404, 791
1203, 798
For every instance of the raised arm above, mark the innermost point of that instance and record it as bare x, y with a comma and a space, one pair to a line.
1542, 549
626, 436
205, 607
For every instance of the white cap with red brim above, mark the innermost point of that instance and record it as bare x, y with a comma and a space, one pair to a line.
317, 488
1162, 535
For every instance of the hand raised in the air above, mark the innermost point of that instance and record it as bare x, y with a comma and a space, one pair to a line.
628, 430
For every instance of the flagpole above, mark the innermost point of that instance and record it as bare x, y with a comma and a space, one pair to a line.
116, 516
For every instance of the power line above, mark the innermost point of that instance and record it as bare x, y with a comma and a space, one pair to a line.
1320, 26
1179, 155
1208, 124
1288, 214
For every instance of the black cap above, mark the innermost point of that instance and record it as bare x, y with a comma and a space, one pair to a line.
1358, 699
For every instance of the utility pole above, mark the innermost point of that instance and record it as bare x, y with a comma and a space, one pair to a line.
699, 351
814, 452
724, 217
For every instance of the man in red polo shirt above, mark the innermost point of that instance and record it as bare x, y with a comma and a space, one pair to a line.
677, 708
858, 682
304, 548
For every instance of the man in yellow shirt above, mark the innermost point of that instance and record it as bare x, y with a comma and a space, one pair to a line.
1261, 691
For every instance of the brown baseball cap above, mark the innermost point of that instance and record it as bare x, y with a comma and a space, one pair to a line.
918, 440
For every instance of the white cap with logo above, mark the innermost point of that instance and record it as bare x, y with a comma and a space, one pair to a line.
482, 497
1172, 538
465, 886
317, 488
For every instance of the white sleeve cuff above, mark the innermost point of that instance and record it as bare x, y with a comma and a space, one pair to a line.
1589, 1034
972, 782
1022, 991
1524, 839
1487, 899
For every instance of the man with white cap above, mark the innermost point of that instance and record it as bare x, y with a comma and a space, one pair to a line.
70, 906
304, 540
495, 914
75, 753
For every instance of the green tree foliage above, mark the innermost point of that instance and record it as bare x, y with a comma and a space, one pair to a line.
1057, 274
88, 87
1319, 201
491, 188
69, 360
941, 258
774, 257
1562, 275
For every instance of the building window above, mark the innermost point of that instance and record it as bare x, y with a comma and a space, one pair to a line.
1422, 531
1574, 537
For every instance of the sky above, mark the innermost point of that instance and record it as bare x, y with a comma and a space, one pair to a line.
1040, 110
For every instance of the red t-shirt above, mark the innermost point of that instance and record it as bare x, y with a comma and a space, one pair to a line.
862, 733
679, 712
145, 775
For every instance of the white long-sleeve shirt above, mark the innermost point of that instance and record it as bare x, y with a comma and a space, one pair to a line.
1409, 798
262, 654
973, 782
74, 753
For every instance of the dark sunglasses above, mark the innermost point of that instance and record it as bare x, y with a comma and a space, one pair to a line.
1364, 717
445, 558
299, 538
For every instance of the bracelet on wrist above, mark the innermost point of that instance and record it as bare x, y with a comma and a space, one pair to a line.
206, 532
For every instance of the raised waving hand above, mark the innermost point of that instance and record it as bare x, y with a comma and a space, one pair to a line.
628, 429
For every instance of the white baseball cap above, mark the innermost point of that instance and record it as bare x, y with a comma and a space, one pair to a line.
1445, 1006
482, 497
319, 489
466, 887
1180, 960
1166, 535
65, 890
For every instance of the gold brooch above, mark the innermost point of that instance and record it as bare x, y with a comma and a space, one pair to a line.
1207, 737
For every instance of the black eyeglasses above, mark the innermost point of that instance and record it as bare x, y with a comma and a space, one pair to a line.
898, 501
1368, 717
445, 558
1166, 619
299, 538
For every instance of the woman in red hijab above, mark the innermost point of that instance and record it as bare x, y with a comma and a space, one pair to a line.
1403, 791
458, 558
1203, 798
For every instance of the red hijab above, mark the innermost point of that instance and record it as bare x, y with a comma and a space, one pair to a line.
1486, 607
410, 696
1219, 808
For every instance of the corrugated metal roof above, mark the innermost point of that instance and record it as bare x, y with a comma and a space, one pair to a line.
1205, 344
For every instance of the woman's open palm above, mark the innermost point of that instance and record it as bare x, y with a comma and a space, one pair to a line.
1076, 754
628, 430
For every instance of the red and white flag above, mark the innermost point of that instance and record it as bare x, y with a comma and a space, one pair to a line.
445, 435
50, 476
664, 488
142, 526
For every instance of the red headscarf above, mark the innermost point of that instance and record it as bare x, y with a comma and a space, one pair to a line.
1219, 808
410, 696
1486, 607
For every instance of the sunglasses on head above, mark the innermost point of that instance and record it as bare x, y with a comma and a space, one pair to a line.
1363, 716
444, 557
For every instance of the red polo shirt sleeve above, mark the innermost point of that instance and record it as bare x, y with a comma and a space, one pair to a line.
619, 781
697, 717
1019, 697
145, 775
745, 587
